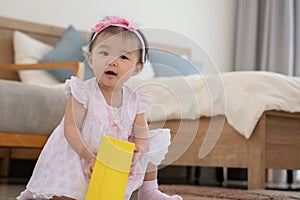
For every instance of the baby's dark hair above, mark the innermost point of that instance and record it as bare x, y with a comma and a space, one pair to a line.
116, 30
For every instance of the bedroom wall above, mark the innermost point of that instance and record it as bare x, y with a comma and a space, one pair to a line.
208, 23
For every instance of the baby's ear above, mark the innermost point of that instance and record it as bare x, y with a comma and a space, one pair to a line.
89, 58
138, 68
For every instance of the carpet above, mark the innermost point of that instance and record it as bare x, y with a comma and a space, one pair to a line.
191, 192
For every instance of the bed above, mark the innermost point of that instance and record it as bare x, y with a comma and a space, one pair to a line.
273, 142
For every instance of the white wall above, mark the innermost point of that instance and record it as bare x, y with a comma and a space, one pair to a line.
209, 23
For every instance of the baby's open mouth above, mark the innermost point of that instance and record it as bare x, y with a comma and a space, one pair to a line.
111, 73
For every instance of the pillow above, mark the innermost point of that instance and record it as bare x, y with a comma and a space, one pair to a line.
68, 48
28, 50
169, 64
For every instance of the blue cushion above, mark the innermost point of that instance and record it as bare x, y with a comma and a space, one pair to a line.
169, 64
67, 49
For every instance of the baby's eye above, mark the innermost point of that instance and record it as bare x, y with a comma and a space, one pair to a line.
103, 53
124, 57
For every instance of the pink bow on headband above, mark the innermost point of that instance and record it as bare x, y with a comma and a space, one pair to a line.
114, 21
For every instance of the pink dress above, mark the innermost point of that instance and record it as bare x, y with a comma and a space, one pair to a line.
60, 172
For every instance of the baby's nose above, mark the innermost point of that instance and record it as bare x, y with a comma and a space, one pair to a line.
113, 61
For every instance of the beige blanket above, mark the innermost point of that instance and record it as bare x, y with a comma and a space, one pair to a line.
241, 96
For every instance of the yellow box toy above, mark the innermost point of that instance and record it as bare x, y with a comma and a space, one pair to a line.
111, 170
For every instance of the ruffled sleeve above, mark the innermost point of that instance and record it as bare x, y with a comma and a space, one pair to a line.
78, 89
143, 102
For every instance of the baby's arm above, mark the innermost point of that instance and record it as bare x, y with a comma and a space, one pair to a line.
141, 133
74, 116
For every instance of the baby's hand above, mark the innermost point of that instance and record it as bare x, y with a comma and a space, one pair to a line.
91, 167
141, 147
88, 169
136, 156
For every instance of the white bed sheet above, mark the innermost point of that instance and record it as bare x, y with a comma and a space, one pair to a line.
241, 96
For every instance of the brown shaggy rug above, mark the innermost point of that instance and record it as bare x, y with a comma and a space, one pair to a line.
191, 192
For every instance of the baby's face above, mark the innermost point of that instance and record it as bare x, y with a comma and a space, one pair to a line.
114, 59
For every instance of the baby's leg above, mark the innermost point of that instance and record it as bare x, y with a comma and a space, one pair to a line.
149, 189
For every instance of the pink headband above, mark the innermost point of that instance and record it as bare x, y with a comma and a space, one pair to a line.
120, 22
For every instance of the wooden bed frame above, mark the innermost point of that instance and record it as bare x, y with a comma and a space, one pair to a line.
273, 144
